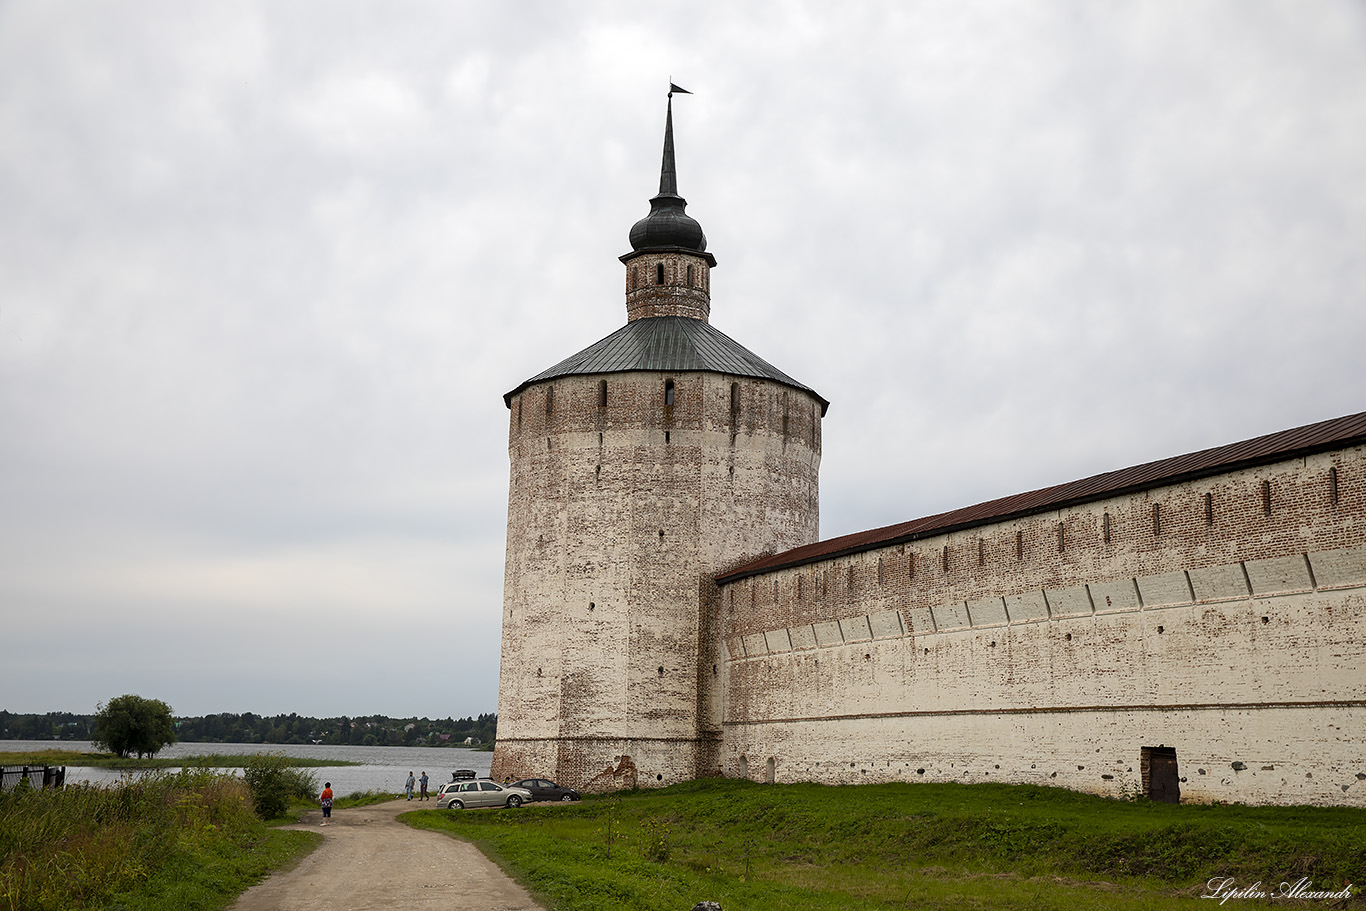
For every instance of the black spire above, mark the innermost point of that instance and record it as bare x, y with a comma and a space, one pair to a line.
668, 225
668, 171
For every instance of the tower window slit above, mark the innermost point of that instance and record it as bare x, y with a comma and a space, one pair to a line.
1157, 519
659, 273
690, 276
1266, 497
1019, 545
549, 399
668, 393
1105, 527
1333, 486
1209, 509
602, 393
1062, 540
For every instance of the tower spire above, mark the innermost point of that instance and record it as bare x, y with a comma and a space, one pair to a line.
668, 225
668, 171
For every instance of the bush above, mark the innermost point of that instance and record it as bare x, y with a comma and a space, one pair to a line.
274, 784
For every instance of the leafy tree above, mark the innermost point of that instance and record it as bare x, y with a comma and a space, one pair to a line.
131, 724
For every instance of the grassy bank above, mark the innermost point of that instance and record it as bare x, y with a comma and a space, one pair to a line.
110, 761
785, 847
163, 842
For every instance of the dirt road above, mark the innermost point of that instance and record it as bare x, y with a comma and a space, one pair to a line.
369, 860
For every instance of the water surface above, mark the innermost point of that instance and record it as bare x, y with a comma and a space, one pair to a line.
380, 769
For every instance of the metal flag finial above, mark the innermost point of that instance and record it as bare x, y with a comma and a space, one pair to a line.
673, 88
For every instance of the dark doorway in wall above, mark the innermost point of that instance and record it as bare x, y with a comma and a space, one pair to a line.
1161, 781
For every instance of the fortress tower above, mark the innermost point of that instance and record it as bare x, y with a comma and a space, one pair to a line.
640, 468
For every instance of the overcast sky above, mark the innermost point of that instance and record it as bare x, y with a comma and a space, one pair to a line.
266, 271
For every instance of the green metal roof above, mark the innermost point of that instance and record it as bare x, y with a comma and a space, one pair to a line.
667, 344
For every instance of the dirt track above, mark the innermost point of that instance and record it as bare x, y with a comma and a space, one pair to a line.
370, 860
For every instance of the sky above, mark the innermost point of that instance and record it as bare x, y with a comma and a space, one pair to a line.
267, 269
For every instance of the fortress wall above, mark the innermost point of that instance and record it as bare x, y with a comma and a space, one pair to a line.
1231, 634
1149, 533
1244, 755
618, 515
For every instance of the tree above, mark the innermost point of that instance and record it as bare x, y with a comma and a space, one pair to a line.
131, 724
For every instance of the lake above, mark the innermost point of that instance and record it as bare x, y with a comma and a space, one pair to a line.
380, 769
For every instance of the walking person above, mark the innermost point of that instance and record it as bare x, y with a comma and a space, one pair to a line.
408, 788
325, 798
423, 781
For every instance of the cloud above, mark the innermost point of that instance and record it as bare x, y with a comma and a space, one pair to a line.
266, 272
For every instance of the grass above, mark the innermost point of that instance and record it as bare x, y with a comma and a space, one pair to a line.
364, 799
897, 846
110, 761
186, 841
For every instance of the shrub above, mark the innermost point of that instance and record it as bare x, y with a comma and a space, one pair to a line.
274, 784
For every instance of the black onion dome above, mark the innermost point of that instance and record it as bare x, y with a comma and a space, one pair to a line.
668, 225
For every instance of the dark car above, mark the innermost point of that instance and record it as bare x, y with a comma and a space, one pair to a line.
545, 789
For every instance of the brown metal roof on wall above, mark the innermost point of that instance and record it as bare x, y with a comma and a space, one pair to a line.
1263, 450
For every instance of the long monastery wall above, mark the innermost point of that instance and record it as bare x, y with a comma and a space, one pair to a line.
1224, 617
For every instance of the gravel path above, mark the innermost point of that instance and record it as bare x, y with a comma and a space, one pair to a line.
370, 860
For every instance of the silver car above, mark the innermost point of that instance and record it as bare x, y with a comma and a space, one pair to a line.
459, 795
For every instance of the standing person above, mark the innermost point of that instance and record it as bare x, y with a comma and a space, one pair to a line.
326, 799
423, 782
408, 788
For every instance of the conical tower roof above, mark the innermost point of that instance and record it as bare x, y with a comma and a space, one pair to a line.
667, 344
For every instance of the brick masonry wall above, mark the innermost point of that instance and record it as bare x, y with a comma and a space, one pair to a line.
1052, 649
668, 284
619, 514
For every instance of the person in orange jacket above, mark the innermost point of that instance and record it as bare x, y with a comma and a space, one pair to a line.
326, 799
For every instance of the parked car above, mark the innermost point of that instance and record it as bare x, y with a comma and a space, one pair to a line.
459, 795
545, 789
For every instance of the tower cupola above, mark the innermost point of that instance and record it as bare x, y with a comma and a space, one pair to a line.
668, 225
667, 270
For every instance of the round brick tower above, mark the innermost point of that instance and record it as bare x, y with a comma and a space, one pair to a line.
641, 467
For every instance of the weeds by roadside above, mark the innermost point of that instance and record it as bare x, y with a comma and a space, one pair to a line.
162, 841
